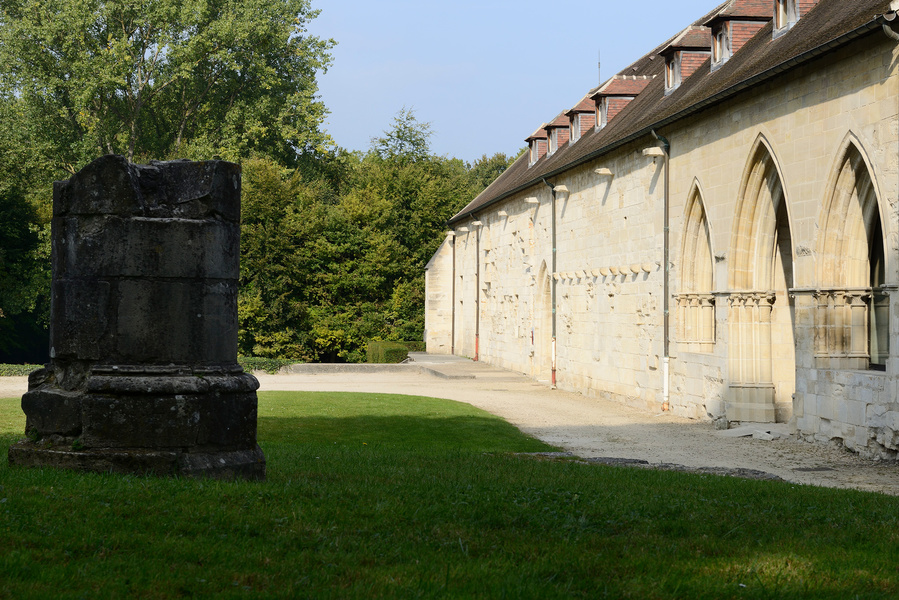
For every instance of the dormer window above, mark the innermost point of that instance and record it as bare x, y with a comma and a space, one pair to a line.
684, 54
672, 72
553, 140
537, 150
785, 16
602, 113
613, 96
558, 133
575, 127
581, 119
721, 45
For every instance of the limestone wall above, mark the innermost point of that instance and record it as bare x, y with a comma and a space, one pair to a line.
754, 184
439, 304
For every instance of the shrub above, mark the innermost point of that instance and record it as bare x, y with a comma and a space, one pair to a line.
387, 352
258, 363
17, 370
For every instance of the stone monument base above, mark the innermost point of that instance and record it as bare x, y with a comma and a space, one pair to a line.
163, 420
238, 464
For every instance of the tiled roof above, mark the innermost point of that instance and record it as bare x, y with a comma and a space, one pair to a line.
691, 38
623, 85
559, 121
750, 10
540, 134
585, 105
829, 24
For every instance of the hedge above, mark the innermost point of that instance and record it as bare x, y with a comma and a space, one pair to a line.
17, 370
387, 352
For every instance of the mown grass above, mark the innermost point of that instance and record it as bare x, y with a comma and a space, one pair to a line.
392, 496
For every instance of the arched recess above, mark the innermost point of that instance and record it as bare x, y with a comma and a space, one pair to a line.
852, 317
541, 336
761, 352
695, 303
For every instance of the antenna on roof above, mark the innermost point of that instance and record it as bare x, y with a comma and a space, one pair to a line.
599, 66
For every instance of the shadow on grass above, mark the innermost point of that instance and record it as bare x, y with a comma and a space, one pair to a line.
353, 509
413, 433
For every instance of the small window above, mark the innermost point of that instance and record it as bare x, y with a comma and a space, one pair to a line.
535, 151
721, 48
553, 140
785, 15
672, 72
603, 117
576, 127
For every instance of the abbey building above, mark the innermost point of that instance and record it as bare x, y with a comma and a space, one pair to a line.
713, 231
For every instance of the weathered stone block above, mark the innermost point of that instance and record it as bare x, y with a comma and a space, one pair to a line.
143, 331
80, 319
52, 412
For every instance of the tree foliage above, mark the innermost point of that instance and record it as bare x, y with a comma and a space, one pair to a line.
334, 243
164, 78
351, 256
24, 244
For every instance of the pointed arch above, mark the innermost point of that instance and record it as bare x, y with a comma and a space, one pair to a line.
852, 318
761, 352
696, 304
762, 213
696, 273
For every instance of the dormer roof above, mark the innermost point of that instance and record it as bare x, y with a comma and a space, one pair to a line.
540, 134
622, 85
743, 10
586, 105
693, 38
560, 121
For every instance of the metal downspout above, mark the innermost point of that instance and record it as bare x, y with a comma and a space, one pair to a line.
666, 374
552, 189
477, 290
453, 311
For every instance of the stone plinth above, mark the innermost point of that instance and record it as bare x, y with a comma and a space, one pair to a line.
143, 374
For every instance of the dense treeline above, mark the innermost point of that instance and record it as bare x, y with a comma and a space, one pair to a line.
334, 242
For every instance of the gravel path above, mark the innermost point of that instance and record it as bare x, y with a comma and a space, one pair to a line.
595, 429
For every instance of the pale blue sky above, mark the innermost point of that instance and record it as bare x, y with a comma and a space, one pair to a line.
486, 73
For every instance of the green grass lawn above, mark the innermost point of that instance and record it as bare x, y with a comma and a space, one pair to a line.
397, 496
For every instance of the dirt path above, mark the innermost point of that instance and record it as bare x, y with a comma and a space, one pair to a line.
589, 427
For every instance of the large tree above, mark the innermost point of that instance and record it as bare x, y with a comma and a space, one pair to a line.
163, 78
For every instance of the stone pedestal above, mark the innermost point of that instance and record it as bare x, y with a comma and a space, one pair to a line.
143, 376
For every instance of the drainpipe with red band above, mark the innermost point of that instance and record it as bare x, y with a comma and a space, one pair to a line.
552, 189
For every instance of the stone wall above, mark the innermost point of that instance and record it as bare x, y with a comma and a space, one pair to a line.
764, 168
